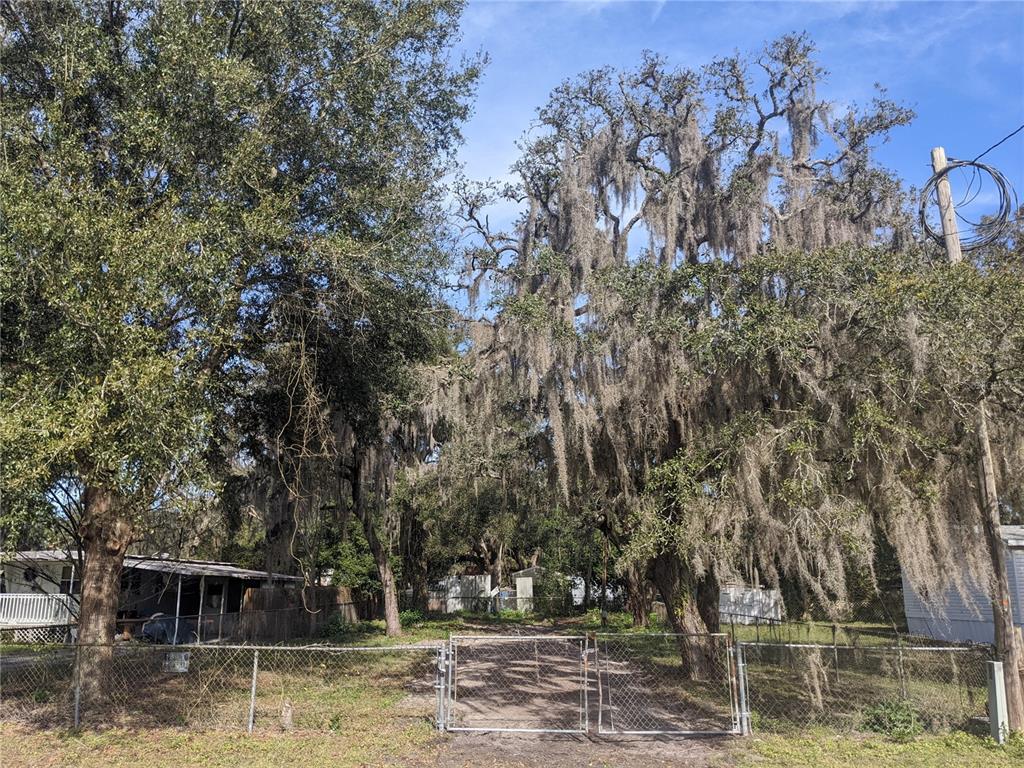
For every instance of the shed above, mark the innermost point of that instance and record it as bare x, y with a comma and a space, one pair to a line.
967, 618
524, 586
461, 593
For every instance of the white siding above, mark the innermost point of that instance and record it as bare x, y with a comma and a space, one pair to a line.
745, 605
47, 583
954, 618
462, 593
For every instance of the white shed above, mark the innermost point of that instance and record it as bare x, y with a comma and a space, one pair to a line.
461, 593
952, 617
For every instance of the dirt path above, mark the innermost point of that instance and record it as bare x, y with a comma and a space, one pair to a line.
519, 750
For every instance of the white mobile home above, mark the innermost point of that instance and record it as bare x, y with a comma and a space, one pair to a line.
196, 597
956, 618
740, 604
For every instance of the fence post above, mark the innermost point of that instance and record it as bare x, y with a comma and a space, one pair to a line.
835, 652
999, 723
252, 691
741, 675
453, 680
903, 669
77, 676
439, 684
586, 684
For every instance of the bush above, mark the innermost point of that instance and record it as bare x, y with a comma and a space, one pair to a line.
410, 616
895, 718
337, 629
552, 595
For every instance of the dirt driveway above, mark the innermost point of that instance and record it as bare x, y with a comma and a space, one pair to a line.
523, 750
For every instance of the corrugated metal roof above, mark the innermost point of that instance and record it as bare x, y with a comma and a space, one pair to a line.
164, 564
1013, 535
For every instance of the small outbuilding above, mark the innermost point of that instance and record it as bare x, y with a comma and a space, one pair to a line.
954, 617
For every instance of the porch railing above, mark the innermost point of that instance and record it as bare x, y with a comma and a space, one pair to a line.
18, 610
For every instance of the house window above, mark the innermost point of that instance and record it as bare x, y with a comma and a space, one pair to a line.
68, 582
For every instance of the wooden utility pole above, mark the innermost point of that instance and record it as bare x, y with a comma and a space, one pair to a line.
949, 229
1008, 648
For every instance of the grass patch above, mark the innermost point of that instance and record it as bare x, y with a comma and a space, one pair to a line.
858, 633
823, 750
413, 744
417, 628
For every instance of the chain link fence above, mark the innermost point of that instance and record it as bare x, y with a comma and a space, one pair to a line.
875, 688
232, 687
37, 685
751, 628
626, 683
666, 683
518, 683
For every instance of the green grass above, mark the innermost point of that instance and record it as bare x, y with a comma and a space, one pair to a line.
861, 633
22, 648
433, 628
823, 750
792, 688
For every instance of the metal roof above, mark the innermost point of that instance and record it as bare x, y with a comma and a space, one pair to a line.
1013, 535
164, 564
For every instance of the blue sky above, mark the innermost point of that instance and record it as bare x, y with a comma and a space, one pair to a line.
959, 65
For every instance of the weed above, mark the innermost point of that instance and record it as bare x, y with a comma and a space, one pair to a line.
895, 718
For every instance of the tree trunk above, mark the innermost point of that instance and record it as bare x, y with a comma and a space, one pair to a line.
588, 579
499, 564
105, 536
414, 562
1008, 648
695, 647
393, 626
387, 577
280, 530
707, 594
638, 597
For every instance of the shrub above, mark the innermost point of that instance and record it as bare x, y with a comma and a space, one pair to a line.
552, 595
895, 718
410, 616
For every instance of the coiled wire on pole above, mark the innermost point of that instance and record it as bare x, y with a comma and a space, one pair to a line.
987, 231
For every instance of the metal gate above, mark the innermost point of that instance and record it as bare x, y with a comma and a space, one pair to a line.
535, 684
666, 684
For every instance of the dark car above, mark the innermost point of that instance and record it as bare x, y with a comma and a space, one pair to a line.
159, 628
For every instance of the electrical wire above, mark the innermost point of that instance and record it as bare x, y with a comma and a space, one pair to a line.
992, 228
1007, 136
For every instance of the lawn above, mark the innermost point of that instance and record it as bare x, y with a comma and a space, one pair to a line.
417, 746
822, 750
414, 744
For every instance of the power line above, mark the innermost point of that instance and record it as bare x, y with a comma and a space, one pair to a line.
1008, 136
985, 232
